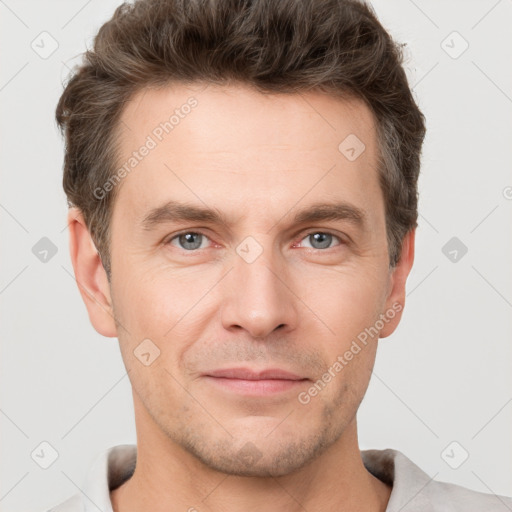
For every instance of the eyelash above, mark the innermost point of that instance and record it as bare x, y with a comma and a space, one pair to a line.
198, 232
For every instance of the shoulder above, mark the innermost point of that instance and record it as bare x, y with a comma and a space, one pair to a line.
455, 498
414, 490
73, 504
110, 468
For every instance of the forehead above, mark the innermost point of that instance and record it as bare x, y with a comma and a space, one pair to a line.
233, 147
238, 113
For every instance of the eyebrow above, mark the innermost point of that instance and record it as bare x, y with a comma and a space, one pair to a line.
175, 211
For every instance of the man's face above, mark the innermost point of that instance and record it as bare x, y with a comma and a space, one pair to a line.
262, 291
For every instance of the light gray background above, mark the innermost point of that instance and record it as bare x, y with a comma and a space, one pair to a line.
444, 376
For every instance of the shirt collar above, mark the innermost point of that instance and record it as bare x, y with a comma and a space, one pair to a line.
116, 465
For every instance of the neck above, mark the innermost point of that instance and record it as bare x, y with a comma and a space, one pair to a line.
167, 477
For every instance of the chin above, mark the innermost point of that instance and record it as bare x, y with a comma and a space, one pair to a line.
260, 457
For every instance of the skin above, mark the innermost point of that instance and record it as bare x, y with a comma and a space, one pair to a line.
258, 159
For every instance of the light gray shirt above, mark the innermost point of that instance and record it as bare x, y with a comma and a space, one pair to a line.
413, 489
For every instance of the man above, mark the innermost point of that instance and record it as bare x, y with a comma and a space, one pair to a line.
242, 183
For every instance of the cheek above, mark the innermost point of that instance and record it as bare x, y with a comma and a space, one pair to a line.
152, 303
163, 317
335, 396
347, 301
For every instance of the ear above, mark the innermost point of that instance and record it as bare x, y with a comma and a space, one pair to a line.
90, 275
395, 301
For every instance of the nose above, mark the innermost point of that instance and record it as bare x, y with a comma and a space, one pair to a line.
259, 297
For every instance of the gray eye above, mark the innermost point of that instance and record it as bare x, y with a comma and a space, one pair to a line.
320, 240
190, 241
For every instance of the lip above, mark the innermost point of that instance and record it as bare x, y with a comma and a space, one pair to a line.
248, 374
255, 383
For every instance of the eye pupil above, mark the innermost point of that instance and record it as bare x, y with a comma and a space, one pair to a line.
187, 241
324, 239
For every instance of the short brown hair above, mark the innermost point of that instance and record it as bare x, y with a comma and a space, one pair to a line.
283, 46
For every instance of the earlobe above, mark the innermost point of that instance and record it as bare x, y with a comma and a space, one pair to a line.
395, 301
90, 275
